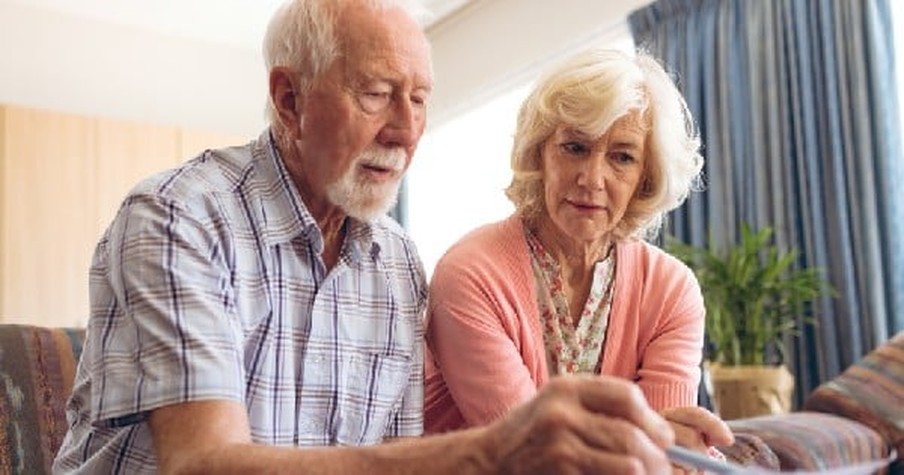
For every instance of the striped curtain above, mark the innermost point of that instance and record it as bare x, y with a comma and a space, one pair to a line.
797, 107
399, 212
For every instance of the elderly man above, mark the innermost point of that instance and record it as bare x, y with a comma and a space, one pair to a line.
255, 301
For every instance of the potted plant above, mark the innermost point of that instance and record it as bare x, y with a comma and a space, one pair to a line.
754, 296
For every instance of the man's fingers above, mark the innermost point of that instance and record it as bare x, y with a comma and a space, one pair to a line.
621, 399
603, 462
618, 437
584, 425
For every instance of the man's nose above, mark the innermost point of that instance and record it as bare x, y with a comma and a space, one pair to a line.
404, 125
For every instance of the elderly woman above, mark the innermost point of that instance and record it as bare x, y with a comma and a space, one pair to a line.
604, 147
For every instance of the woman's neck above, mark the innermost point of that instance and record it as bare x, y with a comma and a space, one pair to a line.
574, 256
577, 260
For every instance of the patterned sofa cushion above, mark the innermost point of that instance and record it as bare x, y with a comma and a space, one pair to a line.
37, 369
750, 451
871, 392
814, 441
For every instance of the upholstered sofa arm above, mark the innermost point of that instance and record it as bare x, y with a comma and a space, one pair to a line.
804, 441
870, 391
37, 369
856, 417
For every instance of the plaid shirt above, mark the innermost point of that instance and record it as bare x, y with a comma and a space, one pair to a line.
209, 285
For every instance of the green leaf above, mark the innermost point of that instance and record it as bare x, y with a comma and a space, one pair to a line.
754, 293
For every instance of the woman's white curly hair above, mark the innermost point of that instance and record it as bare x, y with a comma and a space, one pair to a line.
589, 92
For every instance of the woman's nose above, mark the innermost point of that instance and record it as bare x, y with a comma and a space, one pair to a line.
593, 173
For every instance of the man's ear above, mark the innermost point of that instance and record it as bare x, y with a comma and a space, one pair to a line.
286, 96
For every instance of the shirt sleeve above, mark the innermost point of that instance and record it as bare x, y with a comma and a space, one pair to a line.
669, 373
163, 315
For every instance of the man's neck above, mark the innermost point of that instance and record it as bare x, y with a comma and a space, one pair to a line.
333, 230
329, 217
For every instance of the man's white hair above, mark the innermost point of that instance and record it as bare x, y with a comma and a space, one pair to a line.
302, 36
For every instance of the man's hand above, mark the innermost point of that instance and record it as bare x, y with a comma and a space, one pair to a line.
574, 425
582, 424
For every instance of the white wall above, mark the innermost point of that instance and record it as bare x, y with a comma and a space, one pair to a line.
71, 64
65, 63
493, 45
490, 49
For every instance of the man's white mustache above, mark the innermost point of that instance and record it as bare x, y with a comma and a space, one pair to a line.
393, 159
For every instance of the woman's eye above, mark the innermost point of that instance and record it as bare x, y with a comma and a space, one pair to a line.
574, 148
622, 157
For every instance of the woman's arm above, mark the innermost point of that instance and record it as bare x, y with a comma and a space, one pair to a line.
669, 369
477, 337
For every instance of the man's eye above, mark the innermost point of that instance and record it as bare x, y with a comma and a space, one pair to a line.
574, 148
374, 101
419, 101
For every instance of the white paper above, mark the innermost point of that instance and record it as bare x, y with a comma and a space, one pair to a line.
867, 468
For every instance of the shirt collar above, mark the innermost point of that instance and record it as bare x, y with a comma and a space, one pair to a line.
287, 217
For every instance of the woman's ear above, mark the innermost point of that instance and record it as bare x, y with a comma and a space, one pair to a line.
286, 97
645, 188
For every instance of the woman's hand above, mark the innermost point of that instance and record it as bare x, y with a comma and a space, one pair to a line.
697, 429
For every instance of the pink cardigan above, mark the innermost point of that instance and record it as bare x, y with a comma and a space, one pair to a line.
485, 351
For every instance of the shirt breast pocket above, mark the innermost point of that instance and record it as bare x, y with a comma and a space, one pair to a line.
370, 396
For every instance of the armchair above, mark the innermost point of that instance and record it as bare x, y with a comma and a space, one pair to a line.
37, 369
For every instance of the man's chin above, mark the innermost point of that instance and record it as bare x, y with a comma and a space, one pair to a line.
368, 214
373, 209
366, 201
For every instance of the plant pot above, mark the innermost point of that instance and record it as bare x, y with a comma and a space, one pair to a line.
748, 391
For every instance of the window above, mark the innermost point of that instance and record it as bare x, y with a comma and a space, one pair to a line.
458, 177
897, 14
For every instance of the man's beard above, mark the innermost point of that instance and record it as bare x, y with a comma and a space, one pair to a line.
361, 198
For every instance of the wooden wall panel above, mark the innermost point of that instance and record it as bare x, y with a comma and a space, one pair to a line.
62, 179
47, 216
3, 188
192, 143
128, 153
